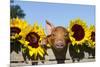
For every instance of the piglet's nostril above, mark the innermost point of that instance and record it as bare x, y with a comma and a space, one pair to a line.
60, 44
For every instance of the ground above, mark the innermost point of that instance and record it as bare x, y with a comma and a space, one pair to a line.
18, 57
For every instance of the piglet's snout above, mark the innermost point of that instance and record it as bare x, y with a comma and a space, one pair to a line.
59, 44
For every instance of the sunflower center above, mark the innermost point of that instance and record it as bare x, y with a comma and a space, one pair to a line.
33, 39
78, 32
14, 30
93, 36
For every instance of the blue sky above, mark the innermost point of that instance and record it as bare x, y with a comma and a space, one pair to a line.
58, 14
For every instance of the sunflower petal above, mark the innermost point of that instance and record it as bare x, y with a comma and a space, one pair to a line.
41, 50
35, 54
40, 53
31, 53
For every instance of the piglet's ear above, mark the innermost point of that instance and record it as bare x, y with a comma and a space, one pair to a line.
49, 27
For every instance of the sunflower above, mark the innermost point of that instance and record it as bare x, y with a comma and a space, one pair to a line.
32, 40
91, 38
78, 31
16, 27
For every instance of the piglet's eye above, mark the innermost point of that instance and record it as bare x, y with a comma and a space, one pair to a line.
53, 34
66, 34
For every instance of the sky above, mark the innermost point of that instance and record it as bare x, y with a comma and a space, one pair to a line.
57, 14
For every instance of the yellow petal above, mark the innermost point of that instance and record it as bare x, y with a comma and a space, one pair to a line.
25, 43
31, 53
41, 54
41, 50
35, 55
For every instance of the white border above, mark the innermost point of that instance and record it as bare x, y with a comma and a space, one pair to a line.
4, 33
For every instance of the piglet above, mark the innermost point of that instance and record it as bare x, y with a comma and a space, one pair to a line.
58, 39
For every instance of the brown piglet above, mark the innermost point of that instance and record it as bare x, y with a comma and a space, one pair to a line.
58, 38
